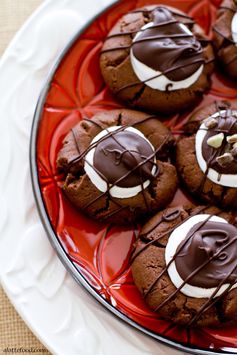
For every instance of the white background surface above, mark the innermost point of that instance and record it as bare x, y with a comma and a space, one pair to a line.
64, 317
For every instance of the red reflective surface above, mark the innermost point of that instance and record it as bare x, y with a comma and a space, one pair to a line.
102, 254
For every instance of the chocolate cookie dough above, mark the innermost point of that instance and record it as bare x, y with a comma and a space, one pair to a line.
156, 58
225, 36
117, 166
206, 157
185, 266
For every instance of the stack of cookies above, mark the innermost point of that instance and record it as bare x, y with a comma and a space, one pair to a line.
124, 166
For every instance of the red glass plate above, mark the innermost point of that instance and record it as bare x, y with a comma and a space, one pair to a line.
98, 256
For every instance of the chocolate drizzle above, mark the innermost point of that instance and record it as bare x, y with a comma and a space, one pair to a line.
232, 9
138, 166
227, 39
198, 269
121, 152
172, 217
222, 35
201, 247
226, 124
164, 46
200, 61
220, 251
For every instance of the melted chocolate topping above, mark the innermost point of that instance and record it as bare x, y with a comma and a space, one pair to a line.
228, 39
165, 44
81, 156
176, 69
120, 153
200, 246
225, 246
227, 124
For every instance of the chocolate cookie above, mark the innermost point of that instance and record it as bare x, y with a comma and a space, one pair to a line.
206, 158
157, 59
225, 36
117, 166
185, 266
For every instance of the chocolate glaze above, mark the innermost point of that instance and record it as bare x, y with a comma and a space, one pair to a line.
176, 13
212, 299
172, 216
116, 155
81, 156
175, 68
205, 242
229, 277
228, 57
227, 124
167, 45
219, 107
169, 70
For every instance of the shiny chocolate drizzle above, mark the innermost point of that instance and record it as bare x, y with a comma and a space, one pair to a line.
228, 40
139, 166
226, 124
120, 153
206, 242
232, 6
174, 52
166, 217
226, 245
165, 44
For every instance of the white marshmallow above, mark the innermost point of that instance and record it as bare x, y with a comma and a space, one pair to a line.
229, 180
176, 237
234, 28
99, 182
144, 73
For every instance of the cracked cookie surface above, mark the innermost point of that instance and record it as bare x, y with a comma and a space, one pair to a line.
195, 180
149, 269
119, 74
224, 41
101, 205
